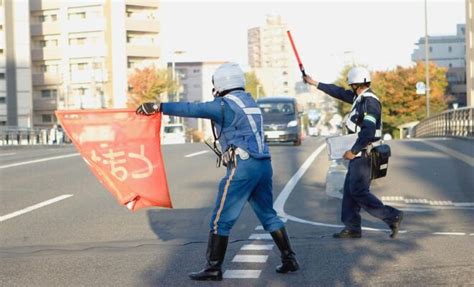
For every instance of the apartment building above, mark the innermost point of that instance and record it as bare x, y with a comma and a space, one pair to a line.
448, 51
270, 56
470, 52
16, 106
76, 55
195, 85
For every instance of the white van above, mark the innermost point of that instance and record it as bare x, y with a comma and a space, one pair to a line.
173, 134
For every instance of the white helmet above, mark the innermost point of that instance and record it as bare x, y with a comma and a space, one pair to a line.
228, 76
358, 75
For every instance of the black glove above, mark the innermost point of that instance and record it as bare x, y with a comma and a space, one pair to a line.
148, 109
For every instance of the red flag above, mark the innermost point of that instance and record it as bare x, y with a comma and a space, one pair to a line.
123, 151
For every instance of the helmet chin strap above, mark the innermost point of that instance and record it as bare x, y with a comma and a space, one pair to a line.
223, 93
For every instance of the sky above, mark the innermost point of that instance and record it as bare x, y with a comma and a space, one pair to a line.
328, 34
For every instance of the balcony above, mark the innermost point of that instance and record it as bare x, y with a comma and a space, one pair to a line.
146, 3
86, 51
44, 5
142, 25
46, 54
46, 79
149, 51
50, 28
44, 104
86, 25
88, 76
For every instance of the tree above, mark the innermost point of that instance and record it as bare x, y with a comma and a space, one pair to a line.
397, 92
148, 84
251, 85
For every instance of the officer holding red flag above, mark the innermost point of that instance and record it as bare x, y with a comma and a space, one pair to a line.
239, 129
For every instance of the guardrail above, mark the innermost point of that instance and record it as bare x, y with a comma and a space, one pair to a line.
452, 123
31, 136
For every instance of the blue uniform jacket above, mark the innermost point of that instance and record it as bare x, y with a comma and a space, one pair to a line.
370, 109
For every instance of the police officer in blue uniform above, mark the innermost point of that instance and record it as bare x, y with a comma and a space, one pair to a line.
365, 119
239, 126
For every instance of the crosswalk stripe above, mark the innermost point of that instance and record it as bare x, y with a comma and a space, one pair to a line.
250, 258
257, 247
260, 236
242, 274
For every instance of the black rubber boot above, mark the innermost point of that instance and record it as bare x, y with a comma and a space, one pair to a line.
216, 248
288, 256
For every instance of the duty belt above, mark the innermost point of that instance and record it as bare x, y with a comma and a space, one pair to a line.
369, 147
230, 155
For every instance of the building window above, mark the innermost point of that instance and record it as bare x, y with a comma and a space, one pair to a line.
77, 16
431, 49
1, 52
3, 100
2, 76
47, 118
195, 71
450, 49
48, 93
1, 27
77, 41
79, 66
450, 65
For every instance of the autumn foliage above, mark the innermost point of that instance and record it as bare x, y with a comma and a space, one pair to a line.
147, 85
397, 91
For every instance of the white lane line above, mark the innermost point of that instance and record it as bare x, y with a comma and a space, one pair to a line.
259, 227
242, 274
472, 234
279, 203
250, 258
449, 233
33, 207
5, 154
38, 160
451, 152
261, 236
197, 153
257, 247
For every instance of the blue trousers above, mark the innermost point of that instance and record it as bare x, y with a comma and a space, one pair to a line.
247, 180
357, 195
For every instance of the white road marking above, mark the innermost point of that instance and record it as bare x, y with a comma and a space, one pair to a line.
259, 227
279, 203
449, 233
38, 160
250, 258
257, 247
5, 154
242, 274
261, 236
451, 152
285, 193
197, 153
33, 207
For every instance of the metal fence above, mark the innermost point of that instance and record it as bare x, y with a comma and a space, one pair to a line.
452, 123
31, 136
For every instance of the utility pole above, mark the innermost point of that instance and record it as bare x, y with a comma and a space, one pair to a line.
427, 71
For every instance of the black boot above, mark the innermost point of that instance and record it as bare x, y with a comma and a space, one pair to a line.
288, 257
395, 225
216, 248
346, 233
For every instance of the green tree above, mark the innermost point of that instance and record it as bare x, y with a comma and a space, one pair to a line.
148, 84
396, 90
252, 84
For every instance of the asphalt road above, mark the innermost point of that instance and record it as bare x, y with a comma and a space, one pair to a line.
82, 237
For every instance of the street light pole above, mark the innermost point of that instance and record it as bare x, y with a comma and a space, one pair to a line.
427, 71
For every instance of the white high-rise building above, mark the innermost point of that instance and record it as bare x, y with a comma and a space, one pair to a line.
72, 55
270, 56
16, 104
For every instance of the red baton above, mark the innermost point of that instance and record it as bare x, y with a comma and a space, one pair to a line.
296, 53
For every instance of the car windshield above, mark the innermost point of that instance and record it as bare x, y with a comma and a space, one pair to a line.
175, 129
277, 108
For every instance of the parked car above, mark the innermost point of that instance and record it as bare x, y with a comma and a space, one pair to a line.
173, 134
281, 119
